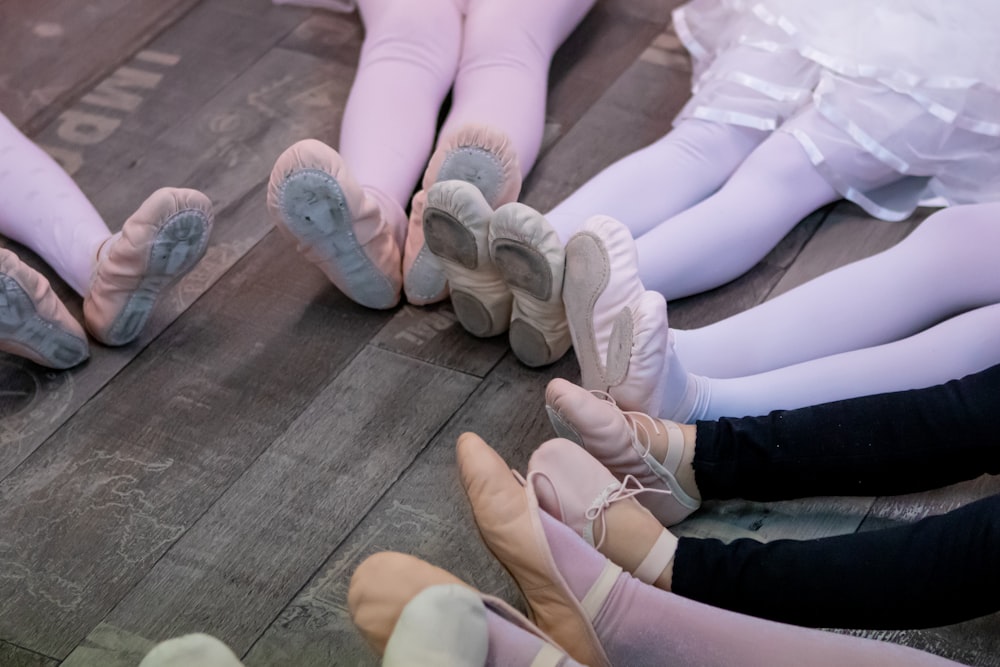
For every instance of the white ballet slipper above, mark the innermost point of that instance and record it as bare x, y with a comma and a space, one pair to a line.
528, 254
456, 228
619, 329
195, 650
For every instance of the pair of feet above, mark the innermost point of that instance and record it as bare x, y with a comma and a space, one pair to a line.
359, 237
577, 598
163, 240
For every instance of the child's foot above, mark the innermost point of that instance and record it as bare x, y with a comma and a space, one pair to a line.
652, 450
34, 323
456, 226
475, 154
420, 616
351, 233
619, 328
163, 240
529, 256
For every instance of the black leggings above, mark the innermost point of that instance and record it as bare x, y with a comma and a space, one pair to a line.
937, 571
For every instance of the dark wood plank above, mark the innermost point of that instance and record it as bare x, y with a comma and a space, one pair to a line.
88, 514
227, 150
14, 656
64, 48
426, 514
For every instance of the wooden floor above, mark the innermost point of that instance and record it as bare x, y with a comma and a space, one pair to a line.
227, 472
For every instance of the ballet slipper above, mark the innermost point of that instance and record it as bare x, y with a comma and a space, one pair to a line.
195, 650
34, 323
621, 441
529, 256
352, 234
163, 240
507, 515
619, 329
456, 227
573, 486
418, 614
476, 154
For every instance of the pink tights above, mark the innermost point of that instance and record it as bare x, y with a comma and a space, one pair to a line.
42, 208
641, 625
495, 54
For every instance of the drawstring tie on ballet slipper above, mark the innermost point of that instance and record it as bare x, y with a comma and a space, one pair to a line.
628, 487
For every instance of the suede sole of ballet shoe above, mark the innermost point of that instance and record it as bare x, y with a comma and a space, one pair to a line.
524, 268
178, 245
25, 333
587, 275
477, 166
507, 519
562, 427
313, 209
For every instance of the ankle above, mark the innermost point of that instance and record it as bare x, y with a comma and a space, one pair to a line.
654, 433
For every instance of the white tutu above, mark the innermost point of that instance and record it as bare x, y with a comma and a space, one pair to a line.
914, 83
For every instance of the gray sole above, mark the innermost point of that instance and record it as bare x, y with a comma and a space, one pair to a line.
474, 165
523, 267
529, 345
177, 247
21, 325
450, 239
581, 290
472, 314
314, 210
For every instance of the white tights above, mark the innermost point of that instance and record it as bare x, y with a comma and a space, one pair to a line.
920, 313
42, 208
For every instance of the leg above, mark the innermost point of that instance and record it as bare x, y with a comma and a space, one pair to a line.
722, 237
959, 346
502, 78
42, 208
408, 63
683, 168
863, 580
621, 620
945, 266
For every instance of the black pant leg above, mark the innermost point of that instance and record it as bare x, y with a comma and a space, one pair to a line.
885, 444
941, 570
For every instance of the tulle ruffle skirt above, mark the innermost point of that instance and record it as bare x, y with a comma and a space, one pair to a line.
912, 84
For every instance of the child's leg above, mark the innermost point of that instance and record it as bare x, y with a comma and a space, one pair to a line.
41, 207
657, 182
408, 63
959, 346
945, 266
502, 78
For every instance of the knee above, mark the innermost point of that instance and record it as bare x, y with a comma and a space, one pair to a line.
425, 33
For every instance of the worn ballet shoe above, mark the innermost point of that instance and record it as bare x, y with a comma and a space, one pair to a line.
352, 234
622, 441
34, 323
163, 240
529, 256
195, 650
476, 154
573, 486
456, 227
619, 329
508, 517
417, 614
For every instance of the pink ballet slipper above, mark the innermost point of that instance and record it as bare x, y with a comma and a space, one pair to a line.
195, 650
352, 234
530, 258
476, 154
510, 523
34, 323
621, 442
418, 615
573, 486
163, 240
456, 225
619, 329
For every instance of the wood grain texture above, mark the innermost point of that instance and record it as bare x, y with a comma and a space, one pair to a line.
63, 48
425, 514
14, 656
